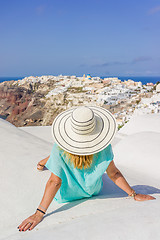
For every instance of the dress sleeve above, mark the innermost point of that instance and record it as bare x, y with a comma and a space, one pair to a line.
108, 155
54, 163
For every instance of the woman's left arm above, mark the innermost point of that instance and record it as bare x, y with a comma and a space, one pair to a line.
52, 186
116, 176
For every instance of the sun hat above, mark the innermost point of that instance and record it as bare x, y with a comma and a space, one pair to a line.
84, 130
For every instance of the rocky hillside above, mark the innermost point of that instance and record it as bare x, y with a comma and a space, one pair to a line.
38, 100
27, 105
25, 102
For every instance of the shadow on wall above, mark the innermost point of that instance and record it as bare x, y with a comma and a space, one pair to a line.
109, 190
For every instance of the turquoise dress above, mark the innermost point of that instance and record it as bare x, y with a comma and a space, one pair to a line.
78, 183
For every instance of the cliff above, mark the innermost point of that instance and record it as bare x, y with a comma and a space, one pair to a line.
26, 104
36, 101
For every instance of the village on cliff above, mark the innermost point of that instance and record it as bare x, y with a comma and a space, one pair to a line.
36, 101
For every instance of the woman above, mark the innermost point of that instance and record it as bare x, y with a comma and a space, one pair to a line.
81, 154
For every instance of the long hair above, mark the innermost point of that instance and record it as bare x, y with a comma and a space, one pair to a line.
79, 161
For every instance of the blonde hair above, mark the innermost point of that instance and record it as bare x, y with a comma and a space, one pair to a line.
79, 161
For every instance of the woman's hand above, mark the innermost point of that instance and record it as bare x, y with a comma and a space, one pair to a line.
143, 197
30, 222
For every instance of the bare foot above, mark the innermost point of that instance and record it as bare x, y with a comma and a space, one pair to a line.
40, 165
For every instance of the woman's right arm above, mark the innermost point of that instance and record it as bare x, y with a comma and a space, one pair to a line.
52, 186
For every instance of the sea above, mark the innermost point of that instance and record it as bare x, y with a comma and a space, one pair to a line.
3, 79
143, 79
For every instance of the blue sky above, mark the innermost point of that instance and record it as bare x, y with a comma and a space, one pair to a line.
100, 37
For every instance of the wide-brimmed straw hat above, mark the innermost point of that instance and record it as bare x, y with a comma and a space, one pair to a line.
84, 130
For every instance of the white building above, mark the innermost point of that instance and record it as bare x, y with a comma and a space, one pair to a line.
158, 88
